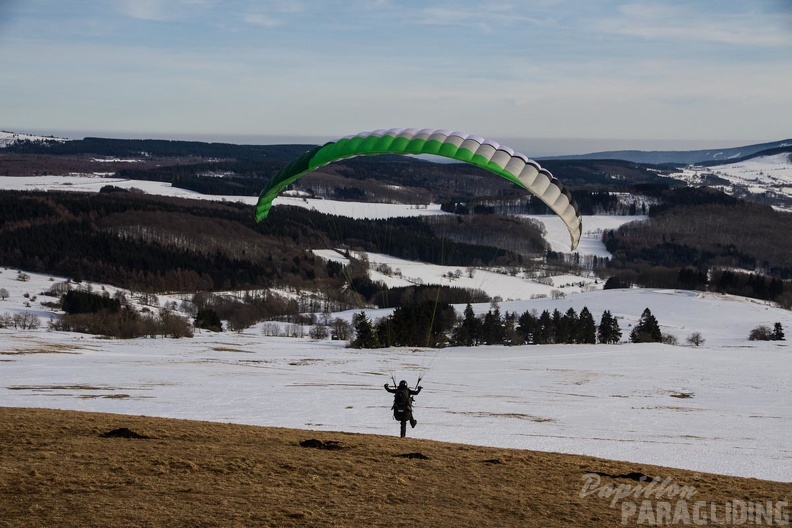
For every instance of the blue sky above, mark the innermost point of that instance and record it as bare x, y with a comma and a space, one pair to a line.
694, 70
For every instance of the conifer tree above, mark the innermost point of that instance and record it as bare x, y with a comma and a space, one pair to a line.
778, 332
608, 331
528, 327
567, 327
511, 335
467, 332
364, 332
586, 328
492, 330
647, 330
545, 333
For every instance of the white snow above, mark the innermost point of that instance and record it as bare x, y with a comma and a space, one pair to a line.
613, 401
116, 160
758, 175
591, 237
9, 138
506, 284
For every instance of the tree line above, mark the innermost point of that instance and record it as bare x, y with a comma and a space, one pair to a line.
429, 324
590, 202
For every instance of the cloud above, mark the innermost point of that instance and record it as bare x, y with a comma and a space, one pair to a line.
682, 23
259, 19
165, 10
273, 13
487, 15
144, 9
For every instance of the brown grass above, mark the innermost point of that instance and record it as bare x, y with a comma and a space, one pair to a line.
56, 470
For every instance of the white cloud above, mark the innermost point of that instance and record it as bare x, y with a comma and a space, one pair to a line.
273, 13
259, 19
486, 15
651, 21
144, 9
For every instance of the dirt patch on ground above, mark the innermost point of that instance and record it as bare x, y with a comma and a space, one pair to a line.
45, 348
56, 469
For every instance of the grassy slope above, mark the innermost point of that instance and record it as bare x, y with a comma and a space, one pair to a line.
56, 470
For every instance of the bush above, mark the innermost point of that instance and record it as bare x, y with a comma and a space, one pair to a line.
23, 321
124, 324
695, 339
319, 332
208, 320
760, 333
763, 333
341, 329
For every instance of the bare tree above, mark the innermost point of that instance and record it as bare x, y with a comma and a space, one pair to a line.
3, 294
695, 339
319, 332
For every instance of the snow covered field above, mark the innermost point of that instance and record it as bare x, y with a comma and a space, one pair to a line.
724, 407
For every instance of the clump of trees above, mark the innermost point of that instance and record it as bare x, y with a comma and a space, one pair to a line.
423, 323
435, 325
430, 324
764, 333
91, 313
20, 321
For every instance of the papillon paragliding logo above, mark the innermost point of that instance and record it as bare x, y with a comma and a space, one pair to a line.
498, 159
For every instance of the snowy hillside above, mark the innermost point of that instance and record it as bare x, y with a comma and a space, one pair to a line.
678, 156
763, 175
9, 138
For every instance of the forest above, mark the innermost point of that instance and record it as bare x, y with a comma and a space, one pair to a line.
700, 239
154, 244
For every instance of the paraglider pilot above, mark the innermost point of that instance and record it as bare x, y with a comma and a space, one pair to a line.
402, 402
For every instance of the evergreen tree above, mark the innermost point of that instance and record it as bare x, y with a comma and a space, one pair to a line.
568, 326
555, 328
364, 332
608, 331
467, 332
511, 335
778, 332
586, 328
492, 330
528, 327
647, 330
545, 331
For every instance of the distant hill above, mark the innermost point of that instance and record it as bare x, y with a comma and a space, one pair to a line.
10, 138
783, 149
678, 157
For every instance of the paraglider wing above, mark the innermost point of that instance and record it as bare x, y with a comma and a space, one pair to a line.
489, 155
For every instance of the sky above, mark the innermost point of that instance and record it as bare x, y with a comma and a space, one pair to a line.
543, 76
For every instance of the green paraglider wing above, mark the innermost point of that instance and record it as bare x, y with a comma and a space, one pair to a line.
489, 155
